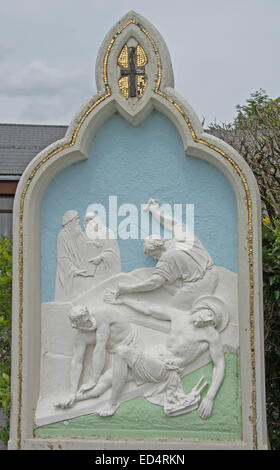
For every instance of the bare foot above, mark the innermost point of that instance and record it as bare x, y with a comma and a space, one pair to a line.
109, 410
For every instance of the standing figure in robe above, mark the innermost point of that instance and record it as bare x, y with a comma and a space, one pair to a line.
103, 249
74, 273
84, 258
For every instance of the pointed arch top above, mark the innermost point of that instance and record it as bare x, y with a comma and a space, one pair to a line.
133, 28
132, 48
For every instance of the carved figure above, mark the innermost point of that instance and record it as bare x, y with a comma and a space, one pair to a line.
84, 258
103, 329
183, 258
104, 251
186, 270
190, 335
73, 269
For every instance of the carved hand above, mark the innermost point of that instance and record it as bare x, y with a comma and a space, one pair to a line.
97, 260
80, 272
151, 203
205, 408
68, 402
110, 297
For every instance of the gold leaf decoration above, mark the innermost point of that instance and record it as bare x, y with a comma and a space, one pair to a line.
123, 58
141, 85
124, 86
133, 80
141, 58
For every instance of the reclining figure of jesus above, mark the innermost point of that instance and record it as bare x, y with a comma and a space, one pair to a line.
191, 334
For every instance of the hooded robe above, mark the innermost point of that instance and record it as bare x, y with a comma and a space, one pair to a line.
71, 256
102, 242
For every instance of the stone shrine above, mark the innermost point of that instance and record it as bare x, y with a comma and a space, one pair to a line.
137, 304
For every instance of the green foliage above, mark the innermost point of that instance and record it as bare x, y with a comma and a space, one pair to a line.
258, 126
260, 111
271, 285
5, 330
255, 134
5, 399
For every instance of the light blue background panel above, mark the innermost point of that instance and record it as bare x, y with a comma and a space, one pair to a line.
134, 164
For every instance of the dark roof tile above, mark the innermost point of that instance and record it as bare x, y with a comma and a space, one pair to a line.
20, 143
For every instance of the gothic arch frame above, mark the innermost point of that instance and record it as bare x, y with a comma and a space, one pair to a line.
76, 147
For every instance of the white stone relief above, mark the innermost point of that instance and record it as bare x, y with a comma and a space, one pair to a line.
191, 333
183, 259
102, 329
54, 335
136, 334
84, 258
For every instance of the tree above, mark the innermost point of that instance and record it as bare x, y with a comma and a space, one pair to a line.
255, 134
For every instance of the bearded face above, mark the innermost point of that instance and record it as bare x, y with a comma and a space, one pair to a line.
75, 225
203, 317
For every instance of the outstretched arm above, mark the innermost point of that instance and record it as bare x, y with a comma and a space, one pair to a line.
75, 374
99, 353
150, 284
217, 356
155, 310
165, 220
98, 356
180, 231
76, 366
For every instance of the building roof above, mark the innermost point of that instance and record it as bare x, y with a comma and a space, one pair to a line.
20, 143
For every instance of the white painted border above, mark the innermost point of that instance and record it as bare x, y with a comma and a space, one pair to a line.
35, 188
133, 444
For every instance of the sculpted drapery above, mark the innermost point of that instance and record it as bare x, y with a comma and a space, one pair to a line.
84, 258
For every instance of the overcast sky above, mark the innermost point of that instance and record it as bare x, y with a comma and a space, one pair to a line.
221, 50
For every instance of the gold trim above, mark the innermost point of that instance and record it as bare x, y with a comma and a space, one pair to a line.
23, 195
250, 239
197, 140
